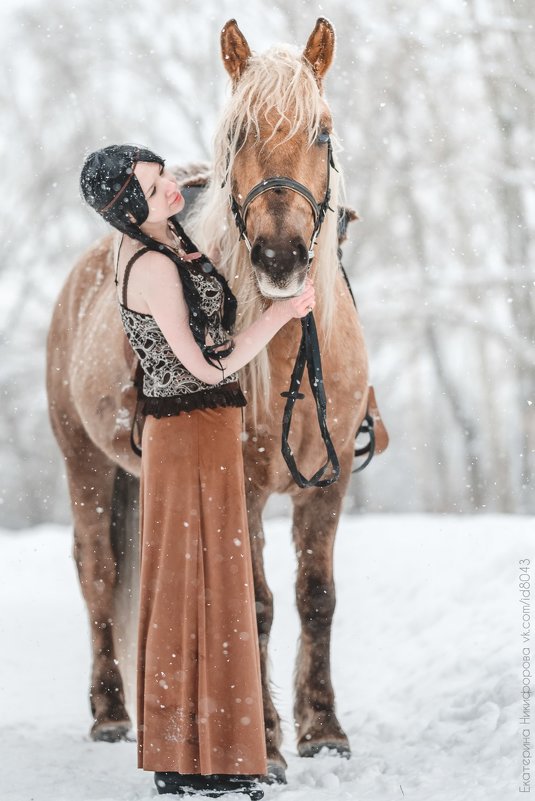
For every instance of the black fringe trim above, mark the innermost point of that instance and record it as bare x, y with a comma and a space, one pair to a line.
226, 395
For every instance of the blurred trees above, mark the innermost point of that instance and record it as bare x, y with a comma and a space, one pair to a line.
441, 139
434, 106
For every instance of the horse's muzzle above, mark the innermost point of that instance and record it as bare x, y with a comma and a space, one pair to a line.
280, 266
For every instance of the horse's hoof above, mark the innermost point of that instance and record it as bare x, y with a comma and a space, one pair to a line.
112, 732
310, 749
276, 774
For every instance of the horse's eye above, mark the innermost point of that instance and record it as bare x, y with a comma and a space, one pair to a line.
323, 137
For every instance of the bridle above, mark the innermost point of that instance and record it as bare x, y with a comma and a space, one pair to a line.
319, 210
308, 354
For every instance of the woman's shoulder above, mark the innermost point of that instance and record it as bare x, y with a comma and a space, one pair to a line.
152, 262
149, 269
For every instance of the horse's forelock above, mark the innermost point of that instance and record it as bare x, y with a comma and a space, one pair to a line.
276, 86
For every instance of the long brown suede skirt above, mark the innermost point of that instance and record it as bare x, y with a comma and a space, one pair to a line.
199, 695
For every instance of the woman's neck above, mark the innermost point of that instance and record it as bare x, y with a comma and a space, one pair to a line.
158, 231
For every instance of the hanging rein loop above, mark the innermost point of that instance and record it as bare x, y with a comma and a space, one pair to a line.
309, 355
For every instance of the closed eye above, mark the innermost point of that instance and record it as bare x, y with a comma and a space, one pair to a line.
153, 190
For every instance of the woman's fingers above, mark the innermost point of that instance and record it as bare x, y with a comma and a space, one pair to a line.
308, 298
301, 305
304, 303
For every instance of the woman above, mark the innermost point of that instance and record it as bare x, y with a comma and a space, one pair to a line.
200, 715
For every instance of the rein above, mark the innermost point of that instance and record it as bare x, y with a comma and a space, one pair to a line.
309, 355
309, 352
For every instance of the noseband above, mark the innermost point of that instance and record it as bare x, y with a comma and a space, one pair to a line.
319, 210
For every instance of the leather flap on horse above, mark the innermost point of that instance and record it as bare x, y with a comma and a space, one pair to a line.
381, 434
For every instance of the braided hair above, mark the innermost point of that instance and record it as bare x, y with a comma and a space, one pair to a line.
109, 185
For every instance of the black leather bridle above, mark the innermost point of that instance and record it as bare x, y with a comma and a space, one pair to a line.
309, 353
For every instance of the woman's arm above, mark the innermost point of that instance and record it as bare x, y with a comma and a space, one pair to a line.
158, 283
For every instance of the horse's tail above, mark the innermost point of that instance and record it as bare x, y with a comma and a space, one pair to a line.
125, 544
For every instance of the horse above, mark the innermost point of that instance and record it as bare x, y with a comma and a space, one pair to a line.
275, 123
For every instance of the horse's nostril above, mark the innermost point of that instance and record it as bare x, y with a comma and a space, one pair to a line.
256, 254
301, 253
262, 256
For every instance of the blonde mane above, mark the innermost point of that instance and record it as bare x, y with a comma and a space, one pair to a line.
281, 81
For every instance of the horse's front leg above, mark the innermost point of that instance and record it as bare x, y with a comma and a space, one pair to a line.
316, 513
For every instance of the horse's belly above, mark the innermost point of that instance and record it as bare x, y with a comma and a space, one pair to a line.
101, 380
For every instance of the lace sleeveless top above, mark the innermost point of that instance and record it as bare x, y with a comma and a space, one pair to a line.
168, 388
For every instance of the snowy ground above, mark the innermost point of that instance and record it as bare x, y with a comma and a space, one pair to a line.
426, 662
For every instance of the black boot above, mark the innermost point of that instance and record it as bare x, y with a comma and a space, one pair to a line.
211, 786
220, 784
171, 782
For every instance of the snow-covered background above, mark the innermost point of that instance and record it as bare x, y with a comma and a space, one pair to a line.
434, 106
427, 666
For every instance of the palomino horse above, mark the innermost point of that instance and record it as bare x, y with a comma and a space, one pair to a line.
276, 123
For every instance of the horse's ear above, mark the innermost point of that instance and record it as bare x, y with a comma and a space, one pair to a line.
234, 50
319, 50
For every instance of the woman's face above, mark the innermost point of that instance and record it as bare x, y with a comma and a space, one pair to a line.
160, 189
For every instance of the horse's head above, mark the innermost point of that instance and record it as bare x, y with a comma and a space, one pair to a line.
276, 137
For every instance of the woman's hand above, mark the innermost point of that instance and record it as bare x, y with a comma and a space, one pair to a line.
300, 305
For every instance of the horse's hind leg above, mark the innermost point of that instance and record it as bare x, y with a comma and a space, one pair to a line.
316, 513
91, 479
256, 500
